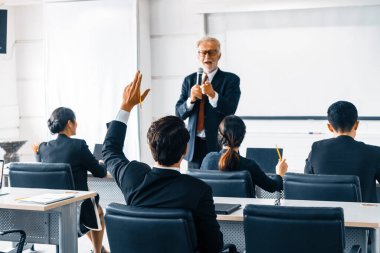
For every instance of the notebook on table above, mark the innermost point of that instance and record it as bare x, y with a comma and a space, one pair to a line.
222, 208
48, 198
2, 190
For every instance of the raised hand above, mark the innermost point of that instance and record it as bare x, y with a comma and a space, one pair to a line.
132, 95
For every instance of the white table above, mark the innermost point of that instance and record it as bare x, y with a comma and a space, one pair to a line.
54, 223
357, 216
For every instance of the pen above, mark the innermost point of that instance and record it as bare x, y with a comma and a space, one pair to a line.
278, 153
140, 103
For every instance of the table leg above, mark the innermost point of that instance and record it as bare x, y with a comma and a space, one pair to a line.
68, 234
375, 241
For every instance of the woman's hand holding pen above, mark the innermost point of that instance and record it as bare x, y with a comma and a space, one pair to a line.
281, 167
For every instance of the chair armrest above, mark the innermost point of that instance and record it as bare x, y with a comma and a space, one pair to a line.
230, 247
22, 237
356, 249
22, 232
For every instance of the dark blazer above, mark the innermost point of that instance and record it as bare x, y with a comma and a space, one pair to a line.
345, 156
259, 178
162, 188
227, 85
75, 152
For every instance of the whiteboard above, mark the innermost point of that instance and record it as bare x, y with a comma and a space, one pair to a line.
300, 71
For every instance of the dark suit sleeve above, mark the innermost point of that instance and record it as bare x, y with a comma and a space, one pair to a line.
180, 107
308, 168
229, 100
127, 174
259, 178
377, 172
210, 239
90, 163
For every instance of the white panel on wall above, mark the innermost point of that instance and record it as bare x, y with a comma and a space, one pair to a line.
29, 59
174, 17
9, 116
299, 62
29, 22
165, 101
174, 55
8, 87
32, 98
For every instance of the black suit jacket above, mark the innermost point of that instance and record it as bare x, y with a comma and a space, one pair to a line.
345, 156
227, 85
259, 178
75, 152
162, 188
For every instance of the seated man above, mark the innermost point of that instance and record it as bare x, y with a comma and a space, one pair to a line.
343, 155
163, 185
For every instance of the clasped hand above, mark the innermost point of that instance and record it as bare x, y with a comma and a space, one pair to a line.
198, 90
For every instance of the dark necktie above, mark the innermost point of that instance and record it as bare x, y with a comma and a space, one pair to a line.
201, 113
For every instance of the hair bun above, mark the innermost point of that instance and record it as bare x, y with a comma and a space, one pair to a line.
55, 126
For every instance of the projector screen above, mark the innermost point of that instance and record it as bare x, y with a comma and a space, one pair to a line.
3, 31
300, 70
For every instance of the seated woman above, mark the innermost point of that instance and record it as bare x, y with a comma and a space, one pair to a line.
76, 153
231, 135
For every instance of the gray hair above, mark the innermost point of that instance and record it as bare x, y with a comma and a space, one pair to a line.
211, 39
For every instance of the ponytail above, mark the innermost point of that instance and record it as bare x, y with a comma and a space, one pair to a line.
231, 135
229, 160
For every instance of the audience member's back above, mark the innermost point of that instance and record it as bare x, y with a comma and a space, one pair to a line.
163, 186
343, 155
231, 134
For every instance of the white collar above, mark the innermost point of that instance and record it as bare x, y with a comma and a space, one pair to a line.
210, 75
156, 165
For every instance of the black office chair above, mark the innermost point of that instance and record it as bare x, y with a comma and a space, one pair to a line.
151, 230
146, 230
227, 183
21, 242
276, 229
322, 187
266, 158
41, 175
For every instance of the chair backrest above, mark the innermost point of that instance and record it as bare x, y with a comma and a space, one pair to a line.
146, 230
226, 183
266, 158
293, 229
322, 187
41, 175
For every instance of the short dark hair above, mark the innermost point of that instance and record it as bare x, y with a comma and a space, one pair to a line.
167, 139
59, 118
342, 115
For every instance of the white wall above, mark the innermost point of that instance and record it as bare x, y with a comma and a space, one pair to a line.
30, 76
175, 28
9, 107
169, 30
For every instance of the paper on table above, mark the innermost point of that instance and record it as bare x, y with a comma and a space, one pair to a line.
48, 198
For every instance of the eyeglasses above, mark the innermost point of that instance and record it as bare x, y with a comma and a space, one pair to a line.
210, 53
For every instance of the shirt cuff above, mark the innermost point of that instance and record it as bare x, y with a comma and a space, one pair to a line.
214, 101
122, 116
189, 105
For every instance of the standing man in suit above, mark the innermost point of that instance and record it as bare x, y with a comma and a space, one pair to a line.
163, 185
207, 104
343, 155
